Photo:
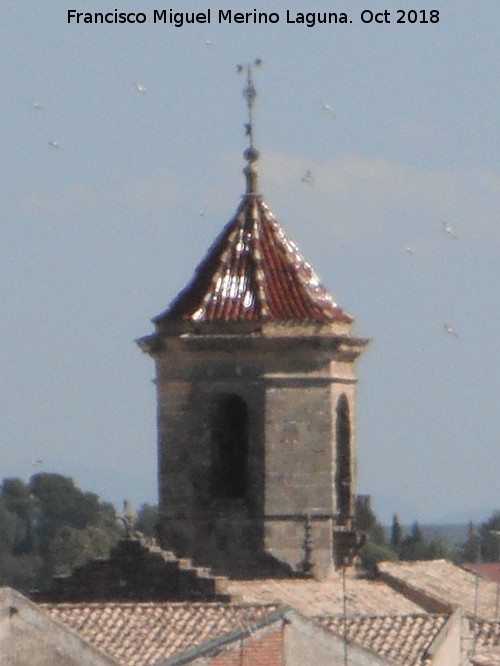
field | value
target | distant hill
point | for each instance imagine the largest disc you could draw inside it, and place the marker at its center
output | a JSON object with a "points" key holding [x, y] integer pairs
{"points": [[452, 534]]}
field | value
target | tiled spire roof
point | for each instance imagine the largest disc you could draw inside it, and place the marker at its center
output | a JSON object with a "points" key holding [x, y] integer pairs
{"points": [[254, 271]]}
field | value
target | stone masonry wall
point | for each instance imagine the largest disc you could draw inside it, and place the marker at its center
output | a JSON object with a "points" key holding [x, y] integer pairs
{"points": [[289, 386], [136, 572]]}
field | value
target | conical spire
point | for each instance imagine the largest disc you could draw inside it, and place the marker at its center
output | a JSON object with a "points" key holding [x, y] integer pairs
{"points": [[253, 271]]}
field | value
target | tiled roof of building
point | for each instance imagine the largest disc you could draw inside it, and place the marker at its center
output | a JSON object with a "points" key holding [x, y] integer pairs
{"points": [[445, 583], [489, 570], [253, 272], [146, 633], [487, 633], [325, 597], [403, 639], [486, 658], [29, 636]]}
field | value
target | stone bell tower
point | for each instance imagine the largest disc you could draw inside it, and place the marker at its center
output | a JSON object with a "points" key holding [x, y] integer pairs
{"points": [[255, 384]]}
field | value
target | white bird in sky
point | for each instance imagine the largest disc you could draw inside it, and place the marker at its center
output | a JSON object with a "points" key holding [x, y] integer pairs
{"points": [[410, 250], [36, 106], [308, 178], [54, 143], [138, 86], [447, 229], [328, 107], [36, 462], [448, 329]]}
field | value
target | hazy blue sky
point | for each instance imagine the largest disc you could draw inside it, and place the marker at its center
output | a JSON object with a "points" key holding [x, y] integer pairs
{"points": [[99, 234]]}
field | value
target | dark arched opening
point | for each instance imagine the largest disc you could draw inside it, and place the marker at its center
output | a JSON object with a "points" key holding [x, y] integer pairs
{"points": [[229, 447], [343, 473]]}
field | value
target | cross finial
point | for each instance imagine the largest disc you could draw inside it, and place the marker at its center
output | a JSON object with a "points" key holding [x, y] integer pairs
{"points": [[251, 154]]}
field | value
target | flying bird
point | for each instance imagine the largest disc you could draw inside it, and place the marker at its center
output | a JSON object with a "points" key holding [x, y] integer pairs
{"points": [[54, 143], [328, 107], [36, 106], [308, 178], [447, 229], [448, 329], [138, 86], [410, 250]]}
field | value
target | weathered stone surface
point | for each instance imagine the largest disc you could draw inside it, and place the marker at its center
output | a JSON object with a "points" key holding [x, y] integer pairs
{"points": [[136, 571], [289, 380]]}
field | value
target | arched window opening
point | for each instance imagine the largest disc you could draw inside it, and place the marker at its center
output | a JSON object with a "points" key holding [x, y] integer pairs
{"points": [[343, 474], [229, 448]]}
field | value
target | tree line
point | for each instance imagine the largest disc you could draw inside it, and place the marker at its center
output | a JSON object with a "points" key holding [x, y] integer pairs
{"points": [[482, 543], [48, 525]]}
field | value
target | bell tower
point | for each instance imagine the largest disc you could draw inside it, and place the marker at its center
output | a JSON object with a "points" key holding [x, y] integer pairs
{"points": [[256, 405]]}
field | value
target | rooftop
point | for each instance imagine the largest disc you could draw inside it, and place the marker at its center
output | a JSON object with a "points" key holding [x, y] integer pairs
{"points": [[444, 584], [149, 633], [253, 271], [325, 597], [144, 634], [403, 639], [487, 632], [486, 658], [489, 570]]}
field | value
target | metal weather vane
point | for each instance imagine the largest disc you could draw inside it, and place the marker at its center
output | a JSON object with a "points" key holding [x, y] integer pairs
{"points": [[251, 154]]}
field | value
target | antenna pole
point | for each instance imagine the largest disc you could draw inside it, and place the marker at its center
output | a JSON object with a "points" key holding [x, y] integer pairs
{"points": [[344, 612]]}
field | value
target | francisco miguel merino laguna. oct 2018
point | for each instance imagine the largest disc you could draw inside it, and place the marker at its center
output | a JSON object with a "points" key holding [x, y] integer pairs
{"points": [[178, 19]]}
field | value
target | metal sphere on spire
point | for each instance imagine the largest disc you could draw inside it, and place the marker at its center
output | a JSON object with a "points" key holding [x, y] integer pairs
{"points": [[251, 154]]}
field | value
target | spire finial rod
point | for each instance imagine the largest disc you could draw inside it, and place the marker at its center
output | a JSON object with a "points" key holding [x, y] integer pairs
{"points": [[251, 154]]}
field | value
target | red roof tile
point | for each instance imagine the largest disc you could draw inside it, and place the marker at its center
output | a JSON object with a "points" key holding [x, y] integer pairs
{"points": [[443, 584], [142, 634], [326, 597], [403, 639], [490, 570], [146, 634], [253, 271], [486, 658], [487, 632]]}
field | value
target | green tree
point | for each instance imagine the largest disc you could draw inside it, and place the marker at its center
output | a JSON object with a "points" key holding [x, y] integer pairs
{"points": [[22, 572], [49, 525], [147, 520], [489, 533], [72, 547], [72, 525], [372, 553], [470, 550], [7, 528], [18, 500], [414, 546], [396, 534], [59, 501], [438, 549], [368, 523], [375, 549]]}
